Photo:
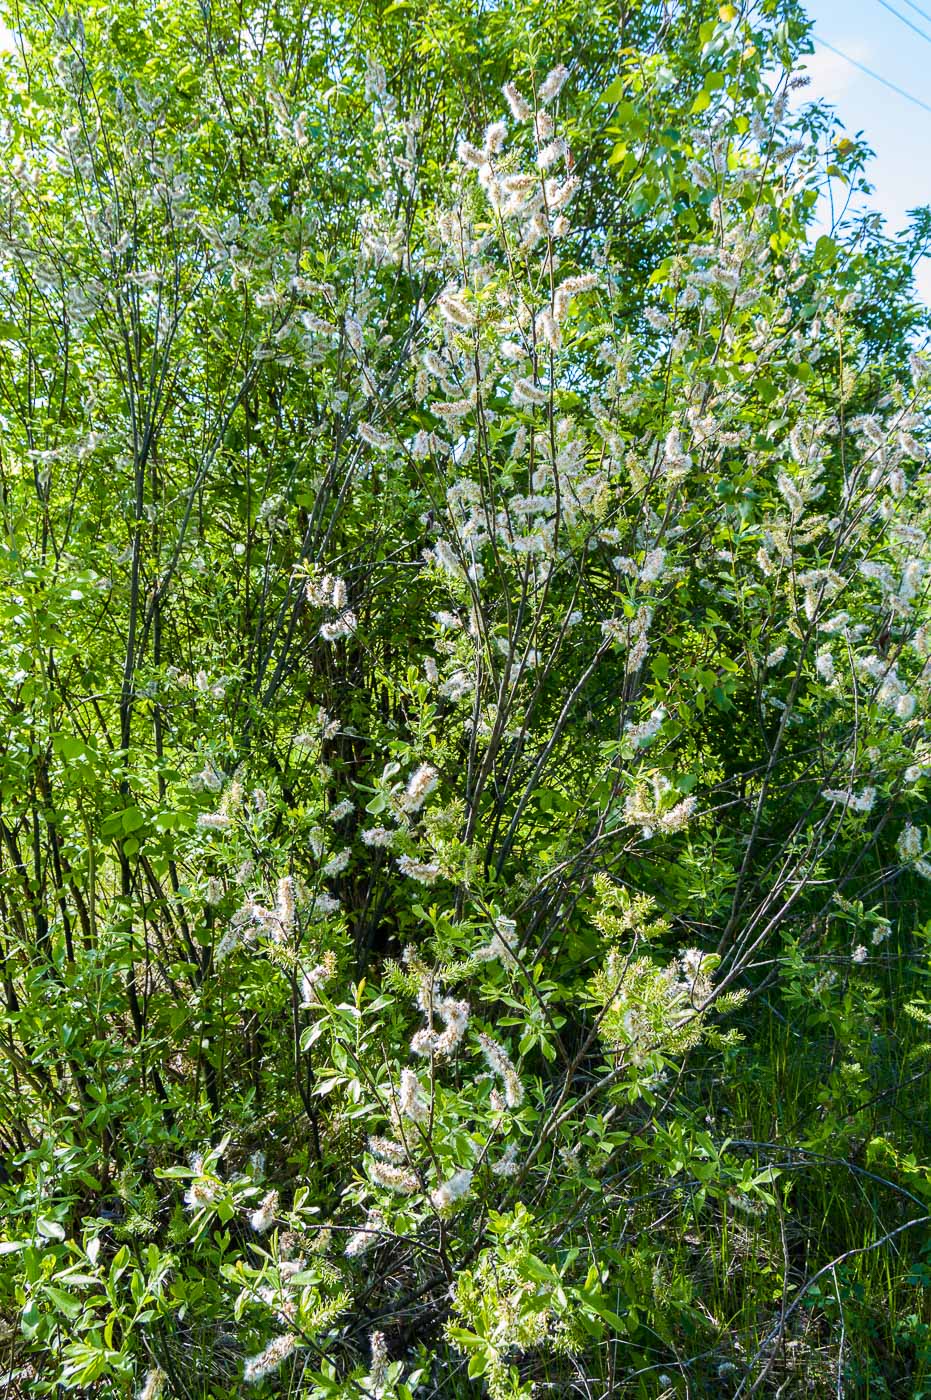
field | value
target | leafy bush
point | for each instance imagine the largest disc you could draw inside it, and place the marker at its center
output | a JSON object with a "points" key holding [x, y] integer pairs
{"points": [[465, 900]]}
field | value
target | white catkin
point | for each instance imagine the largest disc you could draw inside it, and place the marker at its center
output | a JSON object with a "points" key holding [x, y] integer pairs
{"points": [[424, 872], [374, 438], [452, 1190], [378, 1370], [553, 83], [494, 138], [263, 1217], [507, 1164], [268, 1361], [499, 1061], [388, 1149], [910, 844], [152, 1386], [363, 1240], [412, 1103], [853, 801], [521, 110], [377, 836], [824, 665], [421, 784], [398, 1179], [469, 154]]}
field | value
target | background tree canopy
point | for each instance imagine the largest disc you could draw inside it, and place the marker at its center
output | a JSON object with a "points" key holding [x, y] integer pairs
{"points": [[465, 880]]}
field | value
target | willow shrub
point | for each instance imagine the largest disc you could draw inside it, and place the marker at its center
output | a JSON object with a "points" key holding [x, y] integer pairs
{"points": [[465, 711]]}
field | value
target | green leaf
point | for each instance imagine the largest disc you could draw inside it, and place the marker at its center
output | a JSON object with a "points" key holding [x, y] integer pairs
{"points": [[326, 1086], [466, 1339], [64, 1302], [595, 1303], [825, 251]]}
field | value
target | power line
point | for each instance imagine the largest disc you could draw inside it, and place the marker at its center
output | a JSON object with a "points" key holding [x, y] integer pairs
{"points": [[905, 20], [918, 10], [893, 87]]}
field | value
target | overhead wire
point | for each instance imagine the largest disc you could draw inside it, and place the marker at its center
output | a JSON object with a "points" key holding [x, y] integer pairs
{"points": [[918, 10], [871, 73], [905, 20]]}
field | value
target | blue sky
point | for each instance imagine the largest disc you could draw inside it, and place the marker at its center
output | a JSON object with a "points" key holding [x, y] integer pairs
{"points": [[897, 130]]}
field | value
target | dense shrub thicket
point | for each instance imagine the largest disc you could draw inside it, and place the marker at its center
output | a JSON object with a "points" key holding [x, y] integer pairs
{"points": [[466, 883]]}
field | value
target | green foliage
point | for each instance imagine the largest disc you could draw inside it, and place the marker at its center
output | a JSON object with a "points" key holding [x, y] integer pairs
{"points": [[465, 869]]}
